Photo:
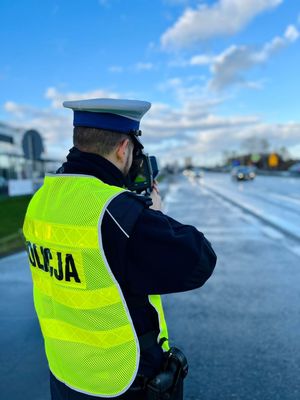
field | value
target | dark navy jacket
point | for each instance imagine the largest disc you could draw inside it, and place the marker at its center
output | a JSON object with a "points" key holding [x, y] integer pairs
{"points": [[148, 253]]}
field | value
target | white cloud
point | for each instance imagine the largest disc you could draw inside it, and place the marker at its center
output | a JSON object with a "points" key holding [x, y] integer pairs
{"points": [[55, 128], [115, 68], [191, 117], [21, 111], [185, 89], [201, 59], [141, 66], [57, 98], [230, 66], [171, 83], [176, 2], [207, 145], [225, 17], [241, 57], [291, 33], [14, 108], [104, 3], [54, 122], [193, 128]]}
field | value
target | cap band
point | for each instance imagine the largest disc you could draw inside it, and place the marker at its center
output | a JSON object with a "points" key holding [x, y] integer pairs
{"points": [[111, 122]]}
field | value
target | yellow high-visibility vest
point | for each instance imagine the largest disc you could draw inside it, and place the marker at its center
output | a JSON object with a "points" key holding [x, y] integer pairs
{"points": [[90, 341]]}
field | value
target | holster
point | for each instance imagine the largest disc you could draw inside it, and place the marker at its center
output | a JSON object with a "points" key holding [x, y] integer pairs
{"points": [[168, 384]]}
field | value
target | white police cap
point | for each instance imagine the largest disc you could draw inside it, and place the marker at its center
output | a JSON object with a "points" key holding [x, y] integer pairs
{"points": [[112, 114]]}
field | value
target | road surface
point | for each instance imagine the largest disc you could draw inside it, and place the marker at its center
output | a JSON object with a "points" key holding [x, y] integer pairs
{"points": [[240, 331]]}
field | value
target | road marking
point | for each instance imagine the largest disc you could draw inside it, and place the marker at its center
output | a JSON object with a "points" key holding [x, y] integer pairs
{"points": [[294, 249], [272, 233], [274, 221]]}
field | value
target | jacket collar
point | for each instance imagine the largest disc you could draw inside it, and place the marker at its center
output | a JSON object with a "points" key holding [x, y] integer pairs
{"points": [[79, 162]]}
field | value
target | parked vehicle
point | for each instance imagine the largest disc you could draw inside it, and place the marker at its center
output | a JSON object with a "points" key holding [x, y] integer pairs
{"points": [[243, 173], [295, 169]]}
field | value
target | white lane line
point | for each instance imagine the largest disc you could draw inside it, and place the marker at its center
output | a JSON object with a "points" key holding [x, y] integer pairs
{"points": [[276, 221], [294, 249], [286, 198], [272, 233]]}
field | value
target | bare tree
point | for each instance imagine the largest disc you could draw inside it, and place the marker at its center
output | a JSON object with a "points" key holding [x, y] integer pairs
{"points": [[254, 144], [284, 153]]}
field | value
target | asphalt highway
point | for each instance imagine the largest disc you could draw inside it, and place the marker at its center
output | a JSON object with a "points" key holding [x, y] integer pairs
{"points": [[240, 331]]}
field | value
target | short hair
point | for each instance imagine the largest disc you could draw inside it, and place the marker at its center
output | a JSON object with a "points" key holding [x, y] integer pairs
{"points": [[96, 140]]}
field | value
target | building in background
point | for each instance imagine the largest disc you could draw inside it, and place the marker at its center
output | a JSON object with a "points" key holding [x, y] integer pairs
{"points": [[22, 160], [22, 154]]}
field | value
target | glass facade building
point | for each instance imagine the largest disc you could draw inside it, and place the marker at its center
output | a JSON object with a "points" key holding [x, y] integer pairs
{"points": [[13, 163]]}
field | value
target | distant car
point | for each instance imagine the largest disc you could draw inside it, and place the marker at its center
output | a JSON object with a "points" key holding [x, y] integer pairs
{"points": [[295, 169], [199, 173], [243, 173], [188, 172]]}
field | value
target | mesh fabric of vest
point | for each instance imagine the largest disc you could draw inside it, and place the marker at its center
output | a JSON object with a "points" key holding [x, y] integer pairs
{"points": [[90, 341]]}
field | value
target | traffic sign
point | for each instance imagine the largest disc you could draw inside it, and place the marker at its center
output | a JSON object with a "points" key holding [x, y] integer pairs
{"points": [[273, 160], [32, 144], [235, 163], [255, 157]]}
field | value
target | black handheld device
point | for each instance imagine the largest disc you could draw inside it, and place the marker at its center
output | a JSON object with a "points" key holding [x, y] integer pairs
{"points": [[142, 173]]}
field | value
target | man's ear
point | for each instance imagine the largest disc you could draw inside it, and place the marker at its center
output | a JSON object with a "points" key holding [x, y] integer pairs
{"points": [[122, 149]]}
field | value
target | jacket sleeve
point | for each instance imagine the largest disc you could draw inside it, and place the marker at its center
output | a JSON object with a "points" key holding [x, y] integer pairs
{"points": [[165, 256]]}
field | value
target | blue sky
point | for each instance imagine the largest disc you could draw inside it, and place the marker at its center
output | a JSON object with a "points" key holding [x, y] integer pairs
{"points": [[216, 72]]}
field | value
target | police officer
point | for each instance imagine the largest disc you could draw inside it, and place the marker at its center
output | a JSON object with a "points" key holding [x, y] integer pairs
{"points": [[101, 255]]}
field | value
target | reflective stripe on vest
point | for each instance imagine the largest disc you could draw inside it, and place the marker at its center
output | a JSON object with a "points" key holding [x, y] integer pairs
{"points": [[90, 340], [163, 336]]}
